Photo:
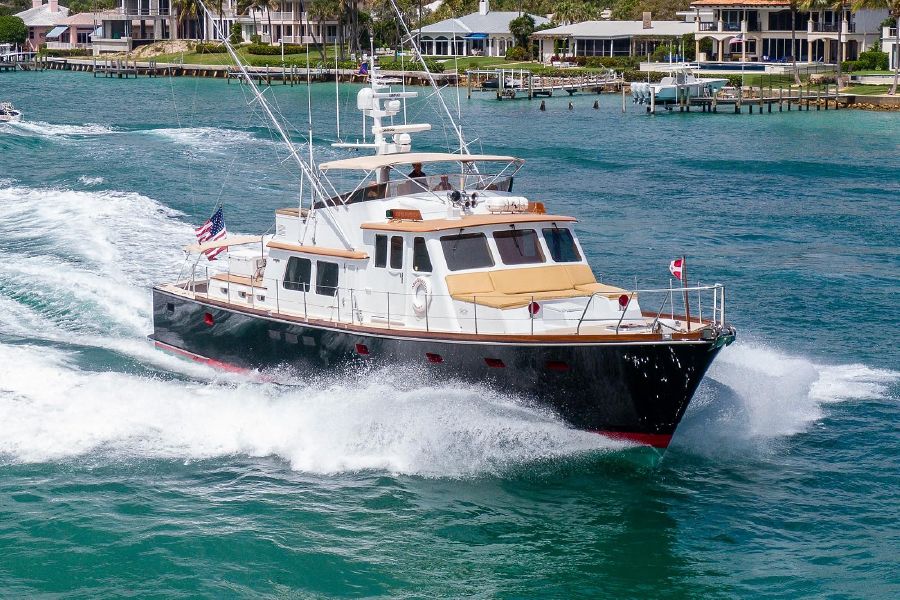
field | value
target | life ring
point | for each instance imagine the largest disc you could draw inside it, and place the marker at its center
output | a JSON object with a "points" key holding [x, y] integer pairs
{"points": [[421, 295]]}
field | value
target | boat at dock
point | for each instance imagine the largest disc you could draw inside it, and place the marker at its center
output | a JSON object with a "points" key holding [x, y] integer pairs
{"points": [[680, 83], [8, 113], [431, 263]]}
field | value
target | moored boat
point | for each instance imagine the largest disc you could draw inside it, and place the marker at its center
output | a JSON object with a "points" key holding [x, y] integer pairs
{"points": [[430, 260]]}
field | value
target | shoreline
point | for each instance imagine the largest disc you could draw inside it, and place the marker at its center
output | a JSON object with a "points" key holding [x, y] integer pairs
{"points": [[296, 75]]}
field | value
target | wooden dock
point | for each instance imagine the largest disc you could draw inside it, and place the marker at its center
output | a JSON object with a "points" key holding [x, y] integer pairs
{"points": [[757, 100], [509, 84]]}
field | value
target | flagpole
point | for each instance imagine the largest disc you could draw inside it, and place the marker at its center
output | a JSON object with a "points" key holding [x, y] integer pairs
{"points": [[684, 285]]}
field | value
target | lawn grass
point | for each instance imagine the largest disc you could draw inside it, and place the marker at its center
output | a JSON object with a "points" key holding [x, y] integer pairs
{"points": [[272, 60], [867, 90]]}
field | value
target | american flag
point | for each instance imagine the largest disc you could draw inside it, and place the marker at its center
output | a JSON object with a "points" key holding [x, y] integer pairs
{"points": [[212, 231]]}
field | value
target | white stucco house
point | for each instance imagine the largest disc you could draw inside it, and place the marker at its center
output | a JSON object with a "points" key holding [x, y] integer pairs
{"points": [[485, 33]]}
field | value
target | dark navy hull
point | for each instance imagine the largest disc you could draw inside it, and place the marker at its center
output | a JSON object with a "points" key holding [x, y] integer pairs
{"points": [[632, 390]]}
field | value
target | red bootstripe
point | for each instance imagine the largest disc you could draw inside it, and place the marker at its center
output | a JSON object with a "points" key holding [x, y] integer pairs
{"points": [[211, 362], [657, 440]]}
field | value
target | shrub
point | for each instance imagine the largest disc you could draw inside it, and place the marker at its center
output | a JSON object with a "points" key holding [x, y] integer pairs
{"points": [[848, 66], [620, 63], [873, 60], [66, 53], [255, 39], [209, 48], [236, 36], [633, 75], [409, 65], [517, 53], [266, 50]]}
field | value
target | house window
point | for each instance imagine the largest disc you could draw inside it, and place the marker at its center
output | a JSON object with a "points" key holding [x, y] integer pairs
{"points": [[297, 274], [326, 278], [421, 260], [561, 245], [518, 247], [466, 251], [397, 252], [381, 251]]}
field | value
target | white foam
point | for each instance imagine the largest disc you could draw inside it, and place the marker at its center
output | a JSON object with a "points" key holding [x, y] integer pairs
{"points": [[43, 129], [88, 258], [756, 394], [211, 139], [53, 411], [90, 181]]}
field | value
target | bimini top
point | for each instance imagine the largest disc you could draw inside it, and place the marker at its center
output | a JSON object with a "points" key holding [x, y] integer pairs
{"points": [[377, 161]]}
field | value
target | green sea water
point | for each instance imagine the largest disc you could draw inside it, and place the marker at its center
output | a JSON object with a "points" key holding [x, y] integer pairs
{"points": [[127, 472]]}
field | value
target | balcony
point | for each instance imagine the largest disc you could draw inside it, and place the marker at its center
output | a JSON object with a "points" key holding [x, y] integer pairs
{"points": [[66, 46], [708, 26], [815, 27]]}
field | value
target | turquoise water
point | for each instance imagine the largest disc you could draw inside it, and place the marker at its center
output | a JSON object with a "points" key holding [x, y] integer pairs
{"points": [[126, 471]]}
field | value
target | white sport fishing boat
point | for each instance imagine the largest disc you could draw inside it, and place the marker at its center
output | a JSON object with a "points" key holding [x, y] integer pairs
{"points": [[8, 113], [680, 83], [430, 260]]}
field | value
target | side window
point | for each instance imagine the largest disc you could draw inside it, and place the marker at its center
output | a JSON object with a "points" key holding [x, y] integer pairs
{"points": [[326, 278], [381, 251], [296, 275], [397, 252], [561, 245], [518, 247], [466, 251], [421, 260]]}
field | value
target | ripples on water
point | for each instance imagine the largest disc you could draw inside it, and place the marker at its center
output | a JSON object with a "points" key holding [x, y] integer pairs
{"points": [[170, 477]]}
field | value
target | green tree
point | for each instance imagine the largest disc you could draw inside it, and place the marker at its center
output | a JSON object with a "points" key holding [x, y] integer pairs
{"points": [[836, 5], [521, 29], [236, 35], [574, 11], [188, 12], [12, 30], [84, 6], [893, 7]]}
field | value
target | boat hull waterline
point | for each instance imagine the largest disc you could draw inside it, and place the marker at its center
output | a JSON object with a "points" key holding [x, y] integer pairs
{"points": [[635, 391]]}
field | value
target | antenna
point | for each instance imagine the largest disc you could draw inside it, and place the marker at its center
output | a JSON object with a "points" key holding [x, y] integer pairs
{"points": [[463, 146], [337, 88]]}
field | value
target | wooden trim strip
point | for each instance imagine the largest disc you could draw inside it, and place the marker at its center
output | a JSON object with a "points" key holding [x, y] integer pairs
{"points": [[429, 225], [442, 336], [239, 279], [319, 250]]}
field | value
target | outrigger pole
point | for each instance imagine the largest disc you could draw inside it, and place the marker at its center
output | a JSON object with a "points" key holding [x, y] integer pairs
{"points": [[684, 286], [308, 170]]}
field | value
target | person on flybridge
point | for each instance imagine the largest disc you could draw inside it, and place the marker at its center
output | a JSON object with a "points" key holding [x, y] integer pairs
{"points": [[417, 171]]}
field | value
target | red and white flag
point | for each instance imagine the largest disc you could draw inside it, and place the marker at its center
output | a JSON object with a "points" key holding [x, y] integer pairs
{"points": [[675, 267]]}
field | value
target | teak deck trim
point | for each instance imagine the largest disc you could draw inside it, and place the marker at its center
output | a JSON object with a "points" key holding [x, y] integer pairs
{"points": [[319, 250]]}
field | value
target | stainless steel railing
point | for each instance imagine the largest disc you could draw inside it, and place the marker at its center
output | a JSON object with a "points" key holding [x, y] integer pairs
{"points": [[343, 306]]}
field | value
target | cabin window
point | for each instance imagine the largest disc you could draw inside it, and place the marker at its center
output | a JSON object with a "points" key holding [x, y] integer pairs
{"points": [[466, 251], [421, 260], [381, 251], [561, 245], [397, 252], [326, 278], [297, 274], [518, 247]]}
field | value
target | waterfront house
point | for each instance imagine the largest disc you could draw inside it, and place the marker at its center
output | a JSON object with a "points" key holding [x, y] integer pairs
{"points": [[889, 45], [610, 38], [760, 30], [74, 32], [40, 20], [138, 22], [484, 33]]}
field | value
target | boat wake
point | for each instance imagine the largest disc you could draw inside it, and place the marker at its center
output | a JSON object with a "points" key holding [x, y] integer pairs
{"points": [[209, 139], [79, 381], [59, 130]]}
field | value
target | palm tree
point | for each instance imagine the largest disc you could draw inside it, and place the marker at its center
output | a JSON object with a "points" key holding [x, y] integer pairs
{"points": [[573, 11], [321, 10], [268, 6], [187, 11], [837, 6], [795, 4], [248, 7], [893, 7]]}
